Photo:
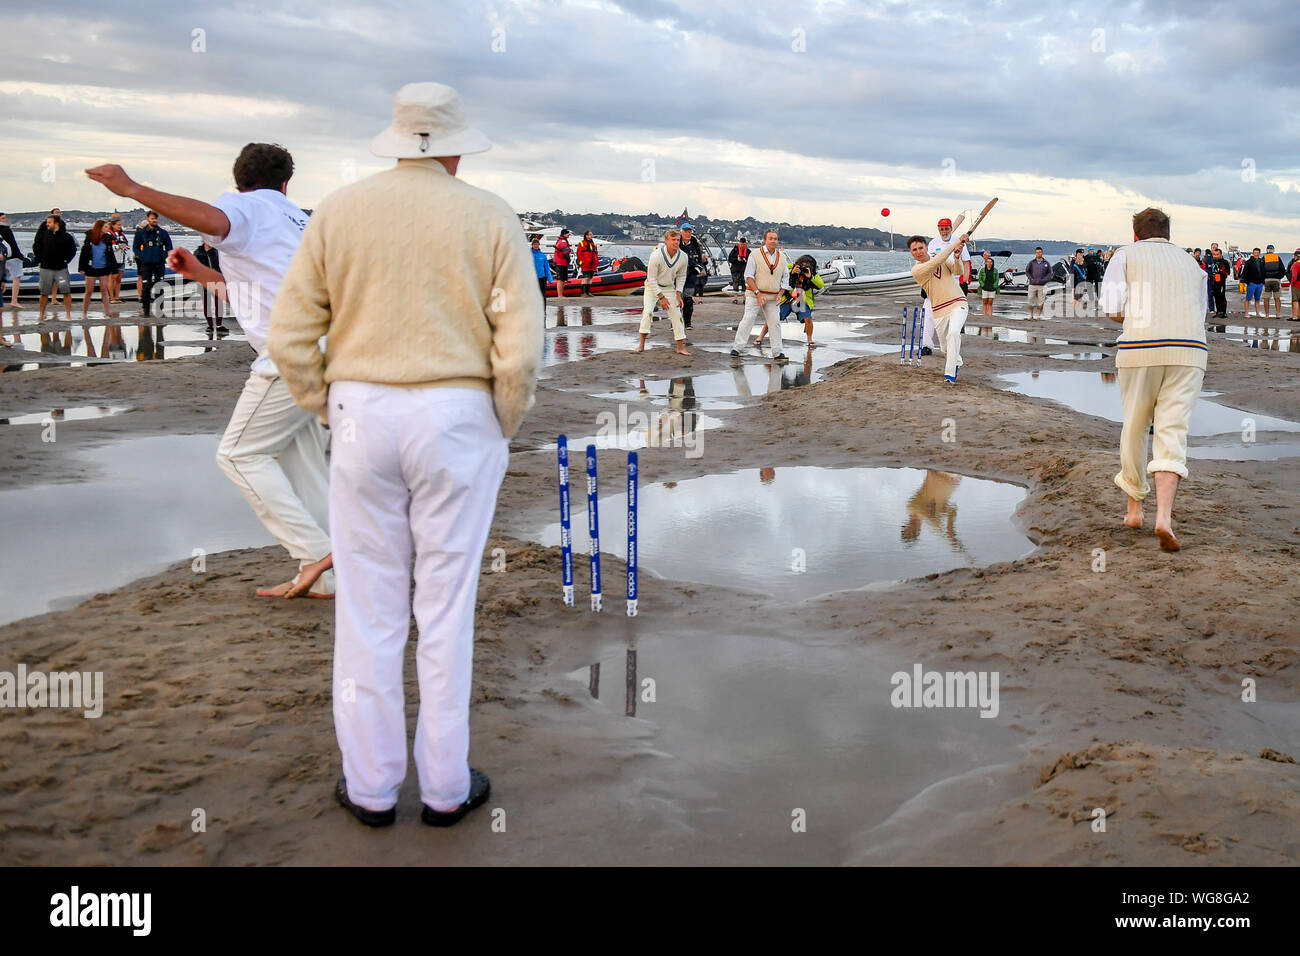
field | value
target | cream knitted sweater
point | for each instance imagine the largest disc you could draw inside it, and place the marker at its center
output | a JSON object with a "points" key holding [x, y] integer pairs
{"points": [[416, 278]]}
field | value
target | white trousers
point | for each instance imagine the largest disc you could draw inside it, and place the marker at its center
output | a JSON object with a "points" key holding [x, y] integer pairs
{"points": [[674, 315], [420, 474], [949, 326], [772, 315], [274, 452], [927, 326], [1163, 396]]}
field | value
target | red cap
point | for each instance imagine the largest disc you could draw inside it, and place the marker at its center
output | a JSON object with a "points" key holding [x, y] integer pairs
{"points": [[945, 222]]}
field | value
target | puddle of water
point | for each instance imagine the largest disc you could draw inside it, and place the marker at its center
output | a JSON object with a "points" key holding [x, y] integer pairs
{"points": [[140, 343], [80, 413], [1002, 333], [573, 344], [78, 539], [1097, 393], [1272, 338], [1247, 451], [568, 316], [742, 380], [748, 727], [1078, 356], [849, 527]]}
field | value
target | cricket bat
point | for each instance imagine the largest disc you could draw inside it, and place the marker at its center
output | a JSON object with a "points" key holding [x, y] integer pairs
{"points": [[980, 218]]}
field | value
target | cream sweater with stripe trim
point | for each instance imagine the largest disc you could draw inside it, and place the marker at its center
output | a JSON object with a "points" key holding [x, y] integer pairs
{"points": [[1163, 302], [417, 279]]}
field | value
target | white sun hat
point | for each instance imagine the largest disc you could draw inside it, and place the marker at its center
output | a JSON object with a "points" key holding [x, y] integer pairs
{"points": [[428, 121]]}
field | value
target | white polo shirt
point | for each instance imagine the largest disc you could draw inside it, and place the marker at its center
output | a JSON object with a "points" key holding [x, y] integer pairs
{"points": [[265, 229]]}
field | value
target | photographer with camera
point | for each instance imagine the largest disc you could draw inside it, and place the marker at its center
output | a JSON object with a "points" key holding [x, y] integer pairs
{"points": [[805, 283], [696, 271]]}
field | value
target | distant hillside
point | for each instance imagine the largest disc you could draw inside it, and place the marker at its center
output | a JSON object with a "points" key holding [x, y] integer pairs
{"points": [[648, 227]]}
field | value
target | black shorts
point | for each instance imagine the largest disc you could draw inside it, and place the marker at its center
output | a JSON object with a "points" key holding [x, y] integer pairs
{"points": [[93, 273], [587, 274], [561, 273]]}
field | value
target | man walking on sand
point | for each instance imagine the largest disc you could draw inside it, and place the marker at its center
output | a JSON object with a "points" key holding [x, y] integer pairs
{"points": [[1158, 292], [937, 277], [767, 275], [430, 367], [272, 450], [665, 277]]}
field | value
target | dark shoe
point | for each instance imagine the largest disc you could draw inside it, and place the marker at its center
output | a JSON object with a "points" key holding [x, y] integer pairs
{"points": [[926, 350], [371, 818], [782, 358], [735, 353], [479, 788]]}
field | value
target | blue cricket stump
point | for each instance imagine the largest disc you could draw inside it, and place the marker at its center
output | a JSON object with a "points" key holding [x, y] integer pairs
{"points": [[632, 467], [593, 527], [566, 535]]}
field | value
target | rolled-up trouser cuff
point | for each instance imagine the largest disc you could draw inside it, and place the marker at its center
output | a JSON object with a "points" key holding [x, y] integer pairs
{"points": [[1138, 494], [1167, 464]]}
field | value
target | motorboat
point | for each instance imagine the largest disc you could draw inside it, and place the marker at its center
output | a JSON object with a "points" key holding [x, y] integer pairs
{"points": [[603, 283], [846, 279]]}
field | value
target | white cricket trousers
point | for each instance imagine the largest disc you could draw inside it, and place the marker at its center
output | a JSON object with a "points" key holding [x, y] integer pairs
{"points": [[674, 315], [1163, 396], [927, 326], [949, 326], [411, 470], [771, 314], [275, 453]]}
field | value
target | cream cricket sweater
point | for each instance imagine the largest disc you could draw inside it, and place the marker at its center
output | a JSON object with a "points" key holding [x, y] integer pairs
{"points": [[662, 277], [416, 278], [1161, 291], [938, 278]]}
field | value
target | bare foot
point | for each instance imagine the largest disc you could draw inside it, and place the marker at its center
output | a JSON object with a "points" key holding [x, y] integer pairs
{"points": [[682, 351], [301, 584], [1166, 538], [308, 576], [1134, 517], [639, 348]]}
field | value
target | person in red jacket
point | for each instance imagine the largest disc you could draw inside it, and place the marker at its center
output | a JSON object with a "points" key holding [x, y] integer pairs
{"points": [[562, 260], [1293, 272], [588, 260]]}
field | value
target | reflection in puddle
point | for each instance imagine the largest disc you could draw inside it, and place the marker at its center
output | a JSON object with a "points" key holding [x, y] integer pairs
{"points": [[799, 531], [1002, 333], [80, 413], [92, 536], [1097, 393], [572, 344], [564, 316], [140, 343], [743, 722], [1078, 356], [1267, 337]]}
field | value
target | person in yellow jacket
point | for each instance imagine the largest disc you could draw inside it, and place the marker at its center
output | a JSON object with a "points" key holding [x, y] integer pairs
{"points": [[805, 283]]}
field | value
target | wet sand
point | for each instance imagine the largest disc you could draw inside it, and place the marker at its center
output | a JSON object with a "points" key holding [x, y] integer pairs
{"points": [[1119, 689]]}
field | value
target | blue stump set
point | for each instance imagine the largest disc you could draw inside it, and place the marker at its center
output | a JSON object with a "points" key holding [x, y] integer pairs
{"points": [[593, 526]]}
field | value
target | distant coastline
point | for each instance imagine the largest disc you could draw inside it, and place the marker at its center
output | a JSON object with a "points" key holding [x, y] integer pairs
{"points": [[644, 229]]}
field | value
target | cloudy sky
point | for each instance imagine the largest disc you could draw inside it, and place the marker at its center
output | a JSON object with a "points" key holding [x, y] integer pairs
{"points": [[819, 112]]}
